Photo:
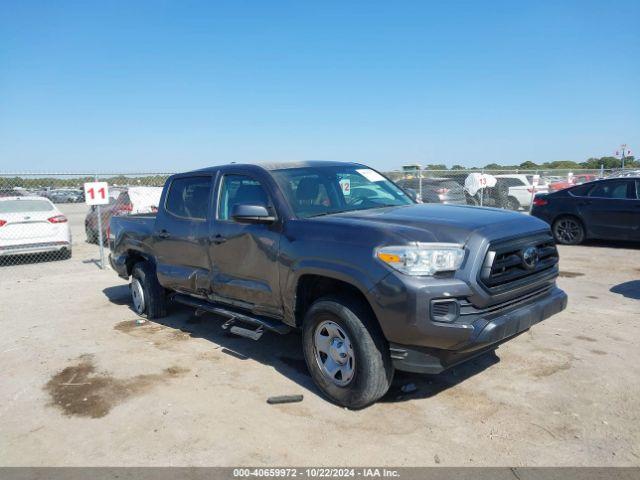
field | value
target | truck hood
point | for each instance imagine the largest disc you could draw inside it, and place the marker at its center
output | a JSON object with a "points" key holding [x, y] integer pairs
{"points": [[437, 222]]}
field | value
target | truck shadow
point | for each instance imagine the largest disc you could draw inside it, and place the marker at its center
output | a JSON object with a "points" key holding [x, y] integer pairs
{"points": [[284, 352]]}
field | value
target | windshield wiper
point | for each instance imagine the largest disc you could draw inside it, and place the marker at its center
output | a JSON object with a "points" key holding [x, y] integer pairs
{"points": [[330, 213]]}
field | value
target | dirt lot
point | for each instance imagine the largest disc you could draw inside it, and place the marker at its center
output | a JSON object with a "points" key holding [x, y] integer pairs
{"points": [[82, 384]]}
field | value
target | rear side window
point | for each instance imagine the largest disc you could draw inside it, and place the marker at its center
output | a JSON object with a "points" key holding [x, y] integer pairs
{"points": [[581, 191], [617, 189], [189, 197], [511, 182], [23, 206], [638, 189]]}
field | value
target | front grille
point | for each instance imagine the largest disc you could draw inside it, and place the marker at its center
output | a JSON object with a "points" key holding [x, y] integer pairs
{"points": [[506, 263]]}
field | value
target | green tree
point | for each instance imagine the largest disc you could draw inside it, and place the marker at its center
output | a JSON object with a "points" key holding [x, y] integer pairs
{"points": [[493, 166], [528, 165]]}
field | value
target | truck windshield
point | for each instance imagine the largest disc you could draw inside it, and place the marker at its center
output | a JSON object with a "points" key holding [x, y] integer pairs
{"points": [[315, 191]]}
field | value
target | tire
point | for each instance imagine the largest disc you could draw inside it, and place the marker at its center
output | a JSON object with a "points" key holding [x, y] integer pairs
{"points": [[513, 203], [367, 371], [147, 295], [64, 254], [568, 230]]}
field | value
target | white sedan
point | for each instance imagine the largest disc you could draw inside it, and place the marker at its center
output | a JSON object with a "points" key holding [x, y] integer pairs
{"points": [[33, 225], [521, 189]]}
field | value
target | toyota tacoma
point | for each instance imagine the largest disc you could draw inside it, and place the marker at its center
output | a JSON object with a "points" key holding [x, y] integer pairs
{"points": [[375, 281]]}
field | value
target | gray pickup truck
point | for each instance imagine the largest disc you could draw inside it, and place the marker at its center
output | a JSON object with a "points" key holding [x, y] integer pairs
{"points": [[375, 281]]}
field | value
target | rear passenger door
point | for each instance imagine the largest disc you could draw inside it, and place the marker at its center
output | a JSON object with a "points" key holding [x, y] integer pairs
{"points": [[181, 236], [610, 209]]}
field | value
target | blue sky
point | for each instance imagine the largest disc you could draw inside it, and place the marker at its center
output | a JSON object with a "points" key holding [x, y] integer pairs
{"points": [[167, 86]]}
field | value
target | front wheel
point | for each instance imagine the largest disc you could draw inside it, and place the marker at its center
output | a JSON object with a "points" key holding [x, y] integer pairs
{"points": [[568, 231], [346, 353], [147, 295]]}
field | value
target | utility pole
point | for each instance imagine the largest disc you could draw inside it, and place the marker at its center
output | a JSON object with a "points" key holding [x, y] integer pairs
{"points": [[623, 153]]}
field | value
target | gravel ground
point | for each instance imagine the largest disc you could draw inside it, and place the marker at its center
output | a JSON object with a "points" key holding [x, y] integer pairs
{"points": [[83, 384]]}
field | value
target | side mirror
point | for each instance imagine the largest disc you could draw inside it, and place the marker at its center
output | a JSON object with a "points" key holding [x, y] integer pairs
{"points": [[251, 214]]}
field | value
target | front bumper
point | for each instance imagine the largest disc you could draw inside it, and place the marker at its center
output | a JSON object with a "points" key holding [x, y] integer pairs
{"points": [[485, 335]]}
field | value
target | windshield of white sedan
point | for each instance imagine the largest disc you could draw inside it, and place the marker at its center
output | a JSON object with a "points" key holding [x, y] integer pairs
{"points": [[318, 191], [22, 206]]}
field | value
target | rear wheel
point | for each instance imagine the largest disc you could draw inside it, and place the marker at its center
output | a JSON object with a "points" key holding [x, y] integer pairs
{"points": [[346, 353], [147, 295], [568, 231]]}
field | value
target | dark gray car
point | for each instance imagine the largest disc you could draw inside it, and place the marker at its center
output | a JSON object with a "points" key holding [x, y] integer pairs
{"points": [[374, 281]]}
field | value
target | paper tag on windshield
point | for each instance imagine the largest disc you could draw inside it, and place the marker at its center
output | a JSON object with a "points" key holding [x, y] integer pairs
{"points": [[370, 175], [345, 185]]}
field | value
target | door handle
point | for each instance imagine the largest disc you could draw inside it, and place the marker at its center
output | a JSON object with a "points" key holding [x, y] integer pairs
{"points": [[218, 239], [164, 234]]}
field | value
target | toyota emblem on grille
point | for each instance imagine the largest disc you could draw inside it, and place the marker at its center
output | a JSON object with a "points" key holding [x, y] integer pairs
{"points": [[530, 257]]}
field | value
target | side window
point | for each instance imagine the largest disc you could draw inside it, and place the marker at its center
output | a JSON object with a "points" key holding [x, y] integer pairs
{"points": [[511, 182], [638, 189], [617, 189], [189, 197], [581, 191], [240, 190]]}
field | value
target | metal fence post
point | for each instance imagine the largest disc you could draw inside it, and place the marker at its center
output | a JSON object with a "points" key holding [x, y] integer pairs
{"points": [[100, 238], [481, 189]]}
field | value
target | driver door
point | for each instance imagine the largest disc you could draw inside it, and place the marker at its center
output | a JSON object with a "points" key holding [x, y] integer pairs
{"points": [[244, 256]]}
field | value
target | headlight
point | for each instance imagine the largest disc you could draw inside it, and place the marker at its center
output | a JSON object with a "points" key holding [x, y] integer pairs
{"points": [[422, 258]]}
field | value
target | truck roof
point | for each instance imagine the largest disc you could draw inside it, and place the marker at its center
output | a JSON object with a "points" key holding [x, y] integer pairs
{"points": [[270, 166]]}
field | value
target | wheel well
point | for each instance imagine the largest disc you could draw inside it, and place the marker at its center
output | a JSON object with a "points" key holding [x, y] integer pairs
{"points": [[132, 259], [312, 287]]}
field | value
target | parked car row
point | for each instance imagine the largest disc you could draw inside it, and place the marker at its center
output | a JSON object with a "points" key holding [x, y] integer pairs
{"points": [[65, 196], [511, 191]]}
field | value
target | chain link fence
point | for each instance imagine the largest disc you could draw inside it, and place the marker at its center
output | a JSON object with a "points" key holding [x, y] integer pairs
{"points": [[510, 189], [44, 218]]}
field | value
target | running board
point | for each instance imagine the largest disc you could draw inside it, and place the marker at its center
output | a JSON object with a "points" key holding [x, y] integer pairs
{"points": [[247, 333], [260, 323]]}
